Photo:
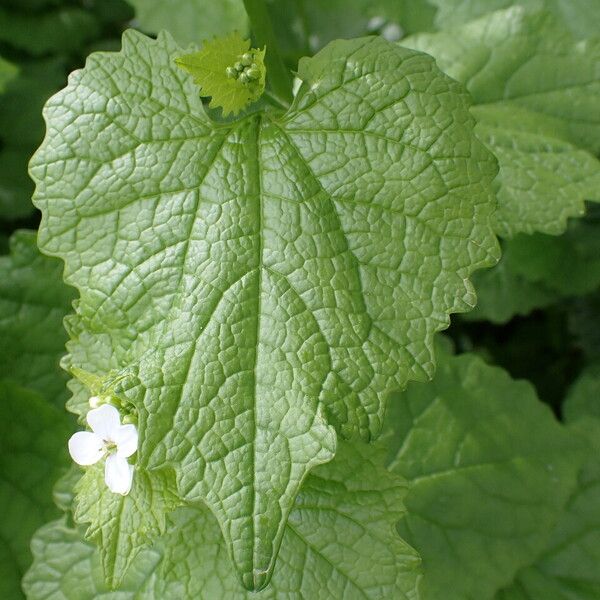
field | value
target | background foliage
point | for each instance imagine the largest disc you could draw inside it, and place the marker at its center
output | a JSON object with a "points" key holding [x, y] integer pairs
{"points": [[493, 481]]}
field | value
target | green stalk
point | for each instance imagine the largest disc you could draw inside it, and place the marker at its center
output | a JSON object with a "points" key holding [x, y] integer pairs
{"points": [[279, 77]]}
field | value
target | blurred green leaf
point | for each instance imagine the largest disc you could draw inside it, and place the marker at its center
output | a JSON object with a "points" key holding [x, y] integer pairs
{"points": [[65, 29], [33, 302], [568, 567], [8, 71], [490, 471], [582, 17], [33, 452], [191, 21], [22, 130]]}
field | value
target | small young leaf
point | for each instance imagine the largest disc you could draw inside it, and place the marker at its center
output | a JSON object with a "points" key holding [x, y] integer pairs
{"points": [[490, 470], [218, 69]]}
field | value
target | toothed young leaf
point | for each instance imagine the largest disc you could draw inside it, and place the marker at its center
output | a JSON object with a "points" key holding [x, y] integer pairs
{"points": [[123, 526], [537, 96], [490, 470], [221, 73], [339, 542], [266, 279], [33, 303]]}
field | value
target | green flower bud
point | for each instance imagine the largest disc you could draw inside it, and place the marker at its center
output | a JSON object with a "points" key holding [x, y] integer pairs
{"points": [[253, 72], [244, 77], [239, 67], [231, 73], [247, 59]]}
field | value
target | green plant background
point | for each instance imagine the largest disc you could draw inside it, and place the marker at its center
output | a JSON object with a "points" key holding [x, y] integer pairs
{"points": [[489, 473]]}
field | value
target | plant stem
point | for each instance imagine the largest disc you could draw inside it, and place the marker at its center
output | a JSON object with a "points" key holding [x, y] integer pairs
{"points": [[278, 76]]}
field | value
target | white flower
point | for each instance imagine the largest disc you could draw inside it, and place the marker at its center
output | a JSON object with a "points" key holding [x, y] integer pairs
{"points": [[108, 436]]}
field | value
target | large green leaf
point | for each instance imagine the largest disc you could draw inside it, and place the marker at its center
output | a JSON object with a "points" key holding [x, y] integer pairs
{"points": [[32, 454], [568, 567], [33, 302], [262, 280], [191, 21], [582, 17], [537, 92], [490, 470], [339, 543]]}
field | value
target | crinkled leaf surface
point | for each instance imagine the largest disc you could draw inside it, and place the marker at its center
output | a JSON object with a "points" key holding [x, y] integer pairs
{"points": [[543, 180], [582, 17], [490, 470], [123, 525], [262, 280], [33, 302], [191, 21], [339, 542], [568, 567], [537, 92], [32, 454], [65, 29]]}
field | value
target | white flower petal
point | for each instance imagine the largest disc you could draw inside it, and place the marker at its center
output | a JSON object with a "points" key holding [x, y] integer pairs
{"points": [[118, 474], [105, 421], [86, 448], [95, 401], [126, 439]]}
